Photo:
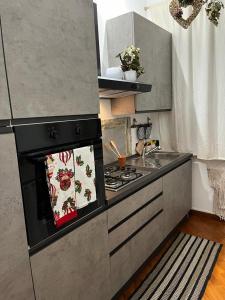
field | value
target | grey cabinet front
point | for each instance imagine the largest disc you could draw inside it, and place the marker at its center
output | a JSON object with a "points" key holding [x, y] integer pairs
{"points": [[129, 258], [137, 235], [156, 57], [15, 272], [177, 191], [76, 266], [50, 57], [4, 97]]}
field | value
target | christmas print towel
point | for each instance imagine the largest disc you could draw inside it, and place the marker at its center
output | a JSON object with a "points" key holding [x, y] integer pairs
{"points": [[84, 176], [60, 177]]}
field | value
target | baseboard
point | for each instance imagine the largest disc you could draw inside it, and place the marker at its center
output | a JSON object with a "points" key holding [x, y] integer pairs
{"points": [[201, 213], [203, 210]]}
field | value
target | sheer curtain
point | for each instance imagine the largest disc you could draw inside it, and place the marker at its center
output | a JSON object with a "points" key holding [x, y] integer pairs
{"points": [[198, 117]]}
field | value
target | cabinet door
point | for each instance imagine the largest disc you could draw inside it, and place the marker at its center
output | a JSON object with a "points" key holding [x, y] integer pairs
{"points": [[15, 273], [50, 57], [4, 97], [120, 34], [76, 266], [156, 57], [177, 191]]}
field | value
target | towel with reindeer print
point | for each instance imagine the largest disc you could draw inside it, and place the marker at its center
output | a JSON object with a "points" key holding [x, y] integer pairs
{"points": [[71, 182], [61, 184]]}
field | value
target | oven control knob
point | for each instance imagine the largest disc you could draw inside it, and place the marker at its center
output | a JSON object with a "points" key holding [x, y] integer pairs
{"points": [[53, 133], [77, 130]]}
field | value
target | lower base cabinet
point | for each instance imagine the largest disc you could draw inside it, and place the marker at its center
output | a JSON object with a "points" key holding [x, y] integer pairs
{"points": [[135, 230], [76, 266], [129, 258], [177, 195], [164, 203]]}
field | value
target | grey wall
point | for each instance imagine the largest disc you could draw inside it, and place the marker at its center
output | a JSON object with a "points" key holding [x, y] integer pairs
{"points": [[119, 131]]}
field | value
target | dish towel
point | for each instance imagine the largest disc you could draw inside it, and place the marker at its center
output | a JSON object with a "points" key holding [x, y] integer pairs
{"points": [[84, 176], [60, 178], [217, 182]]}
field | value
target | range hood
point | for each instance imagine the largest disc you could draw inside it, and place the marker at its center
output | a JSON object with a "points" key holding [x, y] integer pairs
{"points": [[110, 88]]}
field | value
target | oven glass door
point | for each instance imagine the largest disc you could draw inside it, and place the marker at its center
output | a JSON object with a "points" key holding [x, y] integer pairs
{"points": [[39, 218]]}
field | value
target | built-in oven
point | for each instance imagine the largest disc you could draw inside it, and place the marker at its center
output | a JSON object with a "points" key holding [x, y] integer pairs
{"points": [[34, 143]]}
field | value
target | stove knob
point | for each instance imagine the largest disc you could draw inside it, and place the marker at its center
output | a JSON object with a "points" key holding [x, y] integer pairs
{"points": [[77, 130], [53, 133]]}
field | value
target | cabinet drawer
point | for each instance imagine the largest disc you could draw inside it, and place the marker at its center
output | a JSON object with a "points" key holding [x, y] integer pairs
{"points": [[133, 253], [146, 241], [121, 268], [137, 219], [132, 203]]}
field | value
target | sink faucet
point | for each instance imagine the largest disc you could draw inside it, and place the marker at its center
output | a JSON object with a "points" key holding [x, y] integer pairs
{"points": [[145, 152]]}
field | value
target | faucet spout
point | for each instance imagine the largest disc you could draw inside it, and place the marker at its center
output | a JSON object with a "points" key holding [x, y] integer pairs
{"points": [[145, 152]]}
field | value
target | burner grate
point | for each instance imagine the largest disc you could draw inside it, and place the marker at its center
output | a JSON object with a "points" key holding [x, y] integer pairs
{"points": [[115, 178]]}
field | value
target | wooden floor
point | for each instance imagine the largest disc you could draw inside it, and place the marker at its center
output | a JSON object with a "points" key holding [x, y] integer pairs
{"points": [[203, 225]]}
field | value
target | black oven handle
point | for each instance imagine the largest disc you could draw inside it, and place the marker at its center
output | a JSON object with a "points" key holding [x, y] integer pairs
{"points": [[40, 159], [40, 156]]}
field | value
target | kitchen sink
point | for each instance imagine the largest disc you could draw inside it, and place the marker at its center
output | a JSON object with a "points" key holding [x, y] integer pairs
{"points": [[163, 155], [154, 160]]}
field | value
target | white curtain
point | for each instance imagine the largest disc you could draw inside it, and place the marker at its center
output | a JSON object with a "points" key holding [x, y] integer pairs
{"points": [[198, 115]]}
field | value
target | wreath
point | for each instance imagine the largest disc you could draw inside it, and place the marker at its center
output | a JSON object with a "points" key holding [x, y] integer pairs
{"points": [[213, 10]]}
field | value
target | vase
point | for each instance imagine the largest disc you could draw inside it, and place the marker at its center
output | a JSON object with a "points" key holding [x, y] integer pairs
{"points": [[115, 72], [130, 75]]}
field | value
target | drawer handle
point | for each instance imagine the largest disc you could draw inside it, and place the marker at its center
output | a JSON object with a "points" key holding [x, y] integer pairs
{"points": [[135, 233], [134, 212]]}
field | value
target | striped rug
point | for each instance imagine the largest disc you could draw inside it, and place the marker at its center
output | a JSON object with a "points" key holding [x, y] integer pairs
{"points": [[182, 272]]}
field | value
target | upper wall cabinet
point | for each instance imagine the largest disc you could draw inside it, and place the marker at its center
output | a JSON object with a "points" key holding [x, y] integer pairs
{"points": [[50, 57], [156, 57], [4, 97]]}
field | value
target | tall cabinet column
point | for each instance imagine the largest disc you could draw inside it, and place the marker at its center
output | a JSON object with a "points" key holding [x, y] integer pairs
{"points": [[15, 272]]}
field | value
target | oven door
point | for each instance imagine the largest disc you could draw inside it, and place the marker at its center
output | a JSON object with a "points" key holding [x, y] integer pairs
{"points": [[40, 226]]}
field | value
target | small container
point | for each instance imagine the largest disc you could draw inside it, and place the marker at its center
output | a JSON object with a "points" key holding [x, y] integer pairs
{"points": [[114, 72], [122, 161], [130, 75]]}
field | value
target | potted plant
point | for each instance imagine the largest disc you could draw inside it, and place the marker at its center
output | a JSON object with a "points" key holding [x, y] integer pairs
{"points": [[130, 63]]}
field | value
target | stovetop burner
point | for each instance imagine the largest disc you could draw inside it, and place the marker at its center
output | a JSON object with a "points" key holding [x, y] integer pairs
{"points": [[116, 178], [128, 175]]}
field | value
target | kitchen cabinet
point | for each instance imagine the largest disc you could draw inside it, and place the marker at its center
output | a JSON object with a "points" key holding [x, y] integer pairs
{"points": [[76, 266], [156, 57], [50, 57], [4, 97], [138, 224], [15, 272], [135, 230], [177, 192]]}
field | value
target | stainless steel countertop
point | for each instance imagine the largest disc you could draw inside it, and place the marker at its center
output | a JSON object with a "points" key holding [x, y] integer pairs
{"points": [[167, 164]]}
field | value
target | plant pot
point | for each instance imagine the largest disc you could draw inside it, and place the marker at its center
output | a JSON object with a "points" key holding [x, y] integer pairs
{"points": [[115, 72], [130, 75]]}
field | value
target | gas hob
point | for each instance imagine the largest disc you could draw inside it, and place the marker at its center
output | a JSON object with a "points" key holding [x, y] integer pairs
{"points": [[116, 178]]}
